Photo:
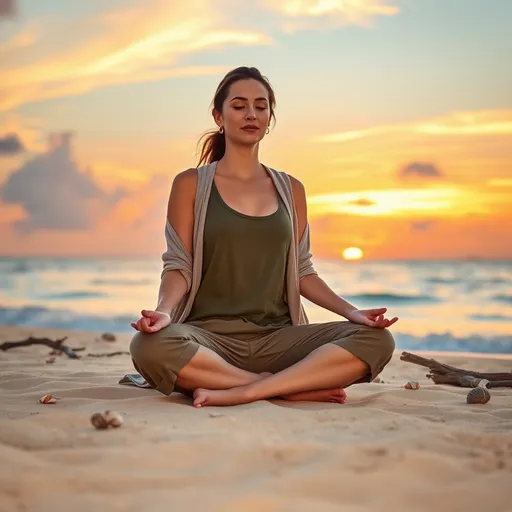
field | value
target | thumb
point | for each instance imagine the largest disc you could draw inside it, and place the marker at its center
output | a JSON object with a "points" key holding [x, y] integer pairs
{"points": [[378, 311], [147, 313]]}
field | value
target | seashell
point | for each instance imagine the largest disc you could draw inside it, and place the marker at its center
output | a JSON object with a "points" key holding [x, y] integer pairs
{"points": [[478, 395], [412, 384], [483, 383], [99, 421], [50, 360], [108, 336], [48, 399], [114, 419]]}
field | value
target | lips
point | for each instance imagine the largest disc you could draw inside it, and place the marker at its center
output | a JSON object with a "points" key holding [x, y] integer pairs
{"points": [[250, 128]]}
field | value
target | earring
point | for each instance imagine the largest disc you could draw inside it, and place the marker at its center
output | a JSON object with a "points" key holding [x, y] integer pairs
{"points": [[268, 130], [221, 130]]}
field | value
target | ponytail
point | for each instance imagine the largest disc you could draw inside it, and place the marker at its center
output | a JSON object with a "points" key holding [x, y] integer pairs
{"points": [[213, 148]]}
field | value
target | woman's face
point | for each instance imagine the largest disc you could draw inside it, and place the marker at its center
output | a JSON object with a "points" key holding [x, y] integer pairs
{"points": [[245, 114]]}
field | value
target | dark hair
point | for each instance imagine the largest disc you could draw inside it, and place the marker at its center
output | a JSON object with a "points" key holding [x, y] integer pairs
{"points": [[214, 147]]}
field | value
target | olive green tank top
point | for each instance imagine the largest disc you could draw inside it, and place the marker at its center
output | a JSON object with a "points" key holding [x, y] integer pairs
{"points": [[244, 265]]}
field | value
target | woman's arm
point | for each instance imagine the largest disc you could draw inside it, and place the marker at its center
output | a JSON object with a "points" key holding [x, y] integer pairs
{"points": [[180, 214], [313, 287]]}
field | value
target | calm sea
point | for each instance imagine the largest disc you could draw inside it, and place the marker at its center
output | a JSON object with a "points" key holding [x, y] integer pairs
{"points": [[442, 306]]}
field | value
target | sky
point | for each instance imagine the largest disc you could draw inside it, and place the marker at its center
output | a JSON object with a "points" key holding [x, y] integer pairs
{"points": [[396, 115]]}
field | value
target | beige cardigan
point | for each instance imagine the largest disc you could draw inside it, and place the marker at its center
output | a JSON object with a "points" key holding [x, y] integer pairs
{"points": [[176, 256]]}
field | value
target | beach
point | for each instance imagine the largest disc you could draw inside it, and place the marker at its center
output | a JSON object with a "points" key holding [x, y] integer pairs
{"points": [[386, 448]]}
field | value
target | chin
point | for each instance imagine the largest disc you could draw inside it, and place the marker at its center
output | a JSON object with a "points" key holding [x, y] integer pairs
{"points": [[250, 138]]}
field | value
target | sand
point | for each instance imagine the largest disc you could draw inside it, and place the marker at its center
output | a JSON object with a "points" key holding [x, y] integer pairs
{"points": [[386, 448]]}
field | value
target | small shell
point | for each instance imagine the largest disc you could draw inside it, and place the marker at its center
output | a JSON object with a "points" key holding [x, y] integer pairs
{"points": [[99, 421], [478, 395], [108, 336], [412, 384], [114, 419], [48, 399], [50, 360]]}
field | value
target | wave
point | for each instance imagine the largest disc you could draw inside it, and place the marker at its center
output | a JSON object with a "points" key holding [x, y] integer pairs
{"points": [[447, 342], [121, 282], [502, 298], [491, 318], [72, 295], [392, 298], [35, 316]]}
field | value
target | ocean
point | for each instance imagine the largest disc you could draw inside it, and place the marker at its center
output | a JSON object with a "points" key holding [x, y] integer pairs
{"points": [[442, 305]]}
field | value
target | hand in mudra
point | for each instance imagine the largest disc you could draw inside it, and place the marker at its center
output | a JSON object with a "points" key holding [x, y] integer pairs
{"points": [[371, 317], [151, 321]]}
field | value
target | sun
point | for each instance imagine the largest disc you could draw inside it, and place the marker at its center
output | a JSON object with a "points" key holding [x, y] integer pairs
{"points": [[352, 253]]}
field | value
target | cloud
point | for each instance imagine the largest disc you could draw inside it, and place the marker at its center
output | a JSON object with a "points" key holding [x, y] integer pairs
{"points": [[362, 202], [421, 169], [133, 45], [329, 14], [484, 122], [422, 225], [54, 193], [11, 144], [8, 8]]}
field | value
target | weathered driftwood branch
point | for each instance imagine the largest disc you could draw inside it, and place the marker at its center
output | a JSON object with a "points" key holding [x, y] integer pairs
{"points": [[110, 354], [458, 380], [57, 345], [445, 374]]}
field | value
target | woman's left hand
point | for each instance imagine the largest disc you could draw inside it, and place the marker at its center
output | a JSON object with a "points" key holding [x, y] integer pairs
{"points": [[371, 317]]}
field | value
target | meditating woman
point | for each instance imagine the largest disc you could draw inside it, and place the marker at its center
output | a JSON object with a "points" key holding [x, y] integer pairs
{"points": [[229, 326]]}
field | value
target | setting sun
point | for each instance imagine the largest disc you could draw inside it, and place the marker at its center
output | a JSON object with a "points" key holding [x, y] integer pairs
{"points": [[352, 253]]}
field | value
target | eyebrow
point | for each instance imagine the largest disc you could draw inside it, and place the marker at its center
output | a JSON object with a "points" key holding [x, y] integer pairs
{"points": [[245, 99]]}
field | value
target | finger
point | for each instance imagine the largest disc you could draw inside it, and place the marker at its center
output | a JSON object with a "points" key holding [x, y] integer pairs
{"points": [[134, 325], [391, 322], [378, 311], [147, 313]]}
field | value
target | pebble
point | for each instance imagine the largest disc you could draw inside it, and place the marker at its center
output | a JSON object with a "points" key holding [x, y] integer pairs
{"points": [[412, 384]]}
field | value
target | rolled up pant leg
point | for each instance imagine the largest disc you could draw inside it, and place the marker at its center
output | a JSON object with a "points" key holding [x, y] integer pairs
{"points": [[287, 346], [159, 357]]}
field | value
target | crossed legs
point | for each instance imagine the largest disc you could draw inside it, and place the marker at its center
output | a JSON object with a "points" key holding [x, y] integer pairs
{"points": [[298, 363]]}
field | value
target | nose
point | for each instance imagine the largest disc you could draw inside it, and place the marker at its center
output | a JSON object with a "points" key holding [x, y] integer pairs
{"points": [[251, 114]]}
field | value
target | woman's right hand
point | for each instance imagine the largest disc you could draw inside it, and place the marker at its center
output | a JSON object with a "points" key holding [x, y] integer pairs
{"points": [[151, 321]]}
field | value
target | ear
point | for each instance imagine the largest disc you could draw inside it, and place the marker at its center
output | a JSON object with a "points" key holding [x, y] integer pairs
{"points": [[217, 117]]}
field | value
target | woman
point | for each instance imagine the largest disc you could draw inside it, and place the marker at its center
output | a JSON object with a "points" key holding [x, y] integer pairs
{"points": [[229, 325]]}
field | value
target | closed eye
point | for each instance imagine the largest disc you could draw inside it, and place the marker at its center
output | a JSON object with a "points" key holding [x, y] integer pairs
{"points": [[257, 108]]}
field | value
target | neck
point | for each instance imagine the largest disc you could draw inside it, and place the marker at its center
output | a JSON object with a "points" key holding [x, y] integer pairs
{"points": [[241, 162]]}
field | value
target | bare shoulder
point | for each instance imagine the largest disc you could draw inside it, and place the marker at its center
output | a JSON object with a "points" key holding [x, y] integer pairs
{"points": [[180, 211], [299, 197], [185, 181], [299, 191]]}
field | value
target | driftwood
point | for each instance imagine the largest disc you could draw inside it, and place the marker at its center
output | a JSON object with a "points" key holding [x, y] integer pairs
{"points": [[110, 354], [442, 373], [56, 345]]}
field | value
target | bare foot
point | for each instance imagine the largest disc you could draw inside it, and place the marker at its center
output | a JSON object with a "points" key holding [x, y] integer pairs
{"points": [[335, 395], [233, 396], [236, 396]]}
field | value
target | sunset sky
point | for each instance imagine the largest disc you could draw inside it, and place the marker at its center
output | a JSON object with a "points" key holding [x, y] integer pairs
{"points": [[395, 114]]}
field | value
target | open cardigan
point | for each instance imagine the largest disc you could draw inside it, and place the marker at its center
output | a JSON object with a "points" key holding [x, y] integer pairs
{"points": [[176, 256]]}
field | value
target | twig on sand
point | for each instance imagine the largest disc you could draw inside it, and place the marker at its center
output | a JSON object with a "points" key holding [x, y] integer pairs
{"points": [[445, 374], [110, 354], [57, 345]]}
